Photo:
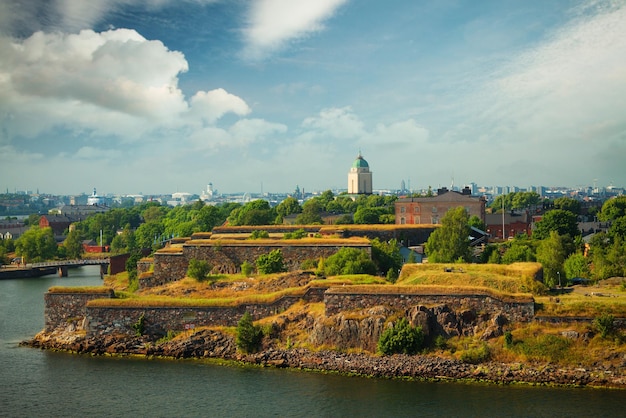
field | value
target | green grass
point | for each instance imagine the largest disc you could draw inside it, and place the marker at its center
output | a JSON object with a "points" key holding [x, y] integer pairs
{"points": [[80, 289]]}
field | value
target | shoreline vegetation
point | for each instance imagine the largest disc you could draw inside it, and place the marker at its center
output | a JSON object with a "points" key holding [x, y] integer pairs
{"points": [[563, 352]]}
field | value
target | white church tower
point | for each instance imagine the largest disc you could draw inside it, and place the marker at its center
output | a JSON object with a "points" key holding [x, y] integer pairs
{"points": [[360, 177]]}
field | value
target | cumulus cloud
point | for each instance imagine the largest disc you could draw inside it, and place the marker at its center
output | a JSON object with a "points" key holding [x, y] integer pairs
{"points": [[110, 83], [273, 23], [212, 105]]}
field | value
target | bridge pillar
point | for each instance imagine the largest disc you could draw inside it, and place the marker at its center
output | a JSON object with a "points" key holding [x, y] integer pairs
{"points": [[104, 268], [62, 270]]}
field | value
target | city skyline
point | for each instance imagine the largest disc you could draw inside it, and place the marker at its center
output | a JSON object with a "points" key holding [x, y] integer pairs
{"points": [[131, 96]]}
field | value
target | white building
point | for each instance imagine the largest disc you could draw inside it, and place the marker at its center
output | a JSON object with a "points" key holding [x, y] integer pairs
{"points": [[360, 177]]}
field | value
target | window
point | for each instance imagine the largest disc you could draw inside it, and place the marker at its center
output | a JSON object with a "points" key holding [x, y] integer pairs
{"points": [[435, 220], [434, 209], [402, 221], [416, 209], [402, 209]]}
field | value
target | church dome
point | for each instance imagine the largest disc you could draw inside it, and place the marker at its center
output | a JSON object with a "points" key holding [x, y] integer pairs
{"points": [[360, 163]]}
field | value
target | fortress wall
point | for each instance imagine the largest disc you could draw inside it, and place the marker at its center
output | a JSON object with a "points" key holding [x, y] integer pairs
{"points": [[64, 309], [522, 311], [227, 258]]}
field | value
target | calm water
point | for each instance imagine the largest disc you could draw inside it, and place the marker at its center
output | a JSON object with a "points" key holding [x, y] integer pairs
{"points": [[39, 383]]}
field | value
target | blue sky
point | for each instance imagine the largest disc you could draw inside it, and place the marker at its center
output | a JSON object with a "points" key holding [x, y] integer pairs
{"points": [[160, 96]]}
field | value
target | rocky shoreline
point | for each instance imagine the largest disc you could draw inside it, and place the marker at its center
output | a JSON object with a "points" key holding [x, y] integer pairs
{"points": [[214, 344]]}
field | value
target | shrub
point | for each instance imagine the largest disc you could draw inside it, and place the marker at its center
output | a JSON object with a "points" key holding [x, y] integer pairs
{"points": [[246, 268], [297, 234], [476, 355], [440, 342], [349, 261], [258, 233], [249, 336], [604, 325], [508, 339], [198, 269], [401, 338], [139, 326], [271, 262]]}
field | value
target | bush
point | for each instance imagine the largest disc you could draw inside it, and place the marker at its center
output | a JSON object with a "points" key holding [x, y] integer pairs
{"points": [[401, 338], [476, 355], [249, 336], [258, 233], [349, 261], [297, 234], [270, 263], [508, 339], [246, 268], [604, 325], [198, 269]]}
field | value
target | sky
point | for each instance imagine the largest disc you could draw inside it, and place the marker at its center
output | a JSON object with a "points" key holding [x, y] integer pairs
{"points": [[163, 96]]}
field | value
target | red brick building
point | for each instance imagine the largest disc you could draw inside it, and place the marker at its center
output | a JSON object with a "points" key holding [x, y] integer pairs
{"points": [[430, 210], [514, 224]]}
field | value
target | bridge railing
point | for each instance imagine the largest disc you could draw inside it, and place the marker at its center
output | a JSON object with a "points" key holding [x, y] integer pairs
{"points": [[81, 262]]}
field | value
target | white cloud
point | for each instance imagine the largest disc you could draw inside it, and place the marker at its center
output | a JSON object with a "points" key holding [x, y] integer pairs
{"points": [[212, 105], [110, 83], [340, 123], [273, 23]]}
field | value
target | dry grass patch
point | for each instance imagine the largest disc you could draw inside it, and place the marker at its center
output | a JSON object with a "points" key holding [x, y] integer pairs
{"points": [[513, 278]]}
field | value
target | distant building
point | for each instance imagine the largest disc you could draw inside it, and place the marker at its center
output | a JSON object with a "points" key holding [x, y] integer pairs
{"points": [[95, 200], [514, 224], [430, 210], [360, 177]]}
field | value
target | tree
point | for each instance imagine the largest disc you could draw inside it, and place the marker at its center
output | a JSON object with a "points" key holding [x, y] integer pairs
{"points": [[576, 265], [310, 213], [256, 212], [450, 242], [73, 245], [520, 250], [288, 206], [36, 244], [402, 338], [366, 215], [613, 209], [249, 336], [387, 255], [551, 253], [198, 269], [271, 262], [348, 261], [476, 222], [558, 220], [567, 203]]}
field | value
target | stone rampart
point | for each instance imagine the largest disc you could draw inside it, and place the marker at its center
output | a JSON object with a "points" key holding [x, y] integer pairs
{"points": [[63, 309], [516, 311], [227, 258]]}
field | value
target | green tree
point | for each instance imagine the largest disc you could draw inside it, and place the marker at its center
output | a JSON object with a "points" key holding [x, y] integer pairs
{"points": [[198, 269], [311, 213], [557, 220], [246, 268], [270, 263], [348, 261], [367, 215], [450, 242], [287, 207], [476, 222], [36, 244], [567, 203], [73, 245], [256, 212], [402, 338], [386, 255], [576, 265], [613, 208], [552, 253], [258, 234], [249, 336], [519, 250]]}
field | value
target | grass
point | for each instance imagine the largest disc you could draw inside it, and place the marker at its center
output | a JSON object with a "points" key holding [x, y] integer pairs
{"points": [[278, 242], [514, 278]]}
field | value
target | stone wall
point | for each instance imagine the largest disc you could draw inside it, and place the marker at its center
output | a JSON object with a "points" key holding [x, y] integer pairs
{"points": [[227, 258], [63, 309], [521, 311]]}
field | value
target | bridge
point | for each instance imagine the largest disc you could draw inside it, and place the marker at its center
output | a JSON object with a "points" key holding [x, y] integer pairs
{"points": [[62, 266]]}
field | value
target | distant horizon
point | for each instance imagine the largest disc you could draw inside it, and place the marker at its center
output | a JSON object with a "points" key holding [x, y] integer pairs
{"points": [[226, 193]]}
